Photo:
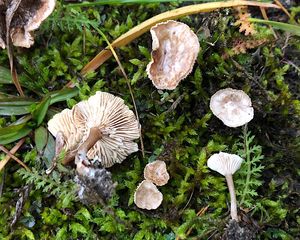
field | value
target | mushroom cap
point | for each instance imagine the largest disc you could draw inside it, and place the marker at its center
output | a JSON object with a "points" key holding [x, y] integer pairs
{"points": [[224, 163], [26, 18], [147, 196], [232, 107], [64, 123], [175, 48], [107, 112], [156, 172]]}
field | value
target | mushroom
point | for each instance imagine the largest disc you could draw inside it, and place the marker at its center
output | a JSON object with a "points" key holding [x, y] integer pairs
{"points": [[101, 128], [147, 196], [156, 172], [232, 107], [227, 164], [175, 48], [22, 17]]}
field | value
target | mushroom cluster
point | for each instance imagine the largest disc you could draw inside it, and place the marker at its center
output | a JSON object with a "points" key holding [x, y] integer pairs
{"points": [[147, 196], [19, 18], [175, 48]]}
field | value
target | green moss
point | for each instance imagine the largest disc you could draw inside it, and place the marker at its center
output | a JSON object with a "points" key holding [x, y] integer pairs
{"points": [[177, 127]]}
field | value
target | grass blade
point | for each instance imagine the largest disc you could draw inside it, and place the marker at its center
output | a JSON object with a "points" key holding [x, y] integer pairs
{"points": [[5, 77], [293, 29]]}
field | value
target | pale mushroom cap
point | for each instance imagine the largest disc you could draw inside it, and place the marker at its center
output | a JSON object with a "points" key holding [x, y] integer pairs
{"points": [[175, 48], [117, 123], [63, 122], [29, 19], [232, 107], [147, 196], [156, 172], [224, 163]]}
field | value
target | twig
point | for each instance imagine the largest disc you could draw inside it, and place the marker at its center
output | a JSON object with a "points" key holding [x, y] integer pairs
{"points": [[282, 8], [14, 157], [265, 16], [9, 15], [12, 151]]}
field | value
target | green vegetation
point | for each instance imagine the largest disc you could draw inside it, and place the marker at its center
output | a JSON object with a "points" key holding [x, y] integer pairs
{"points": [[177, 127]]}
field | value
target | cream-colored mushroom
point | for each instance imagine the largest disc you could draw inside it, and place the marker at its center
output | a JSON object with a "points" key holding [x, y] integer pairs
{"points": [[157, 173], [147, 196], [175, 48], [102, 128], [116, 122], [24, 17], [36, 14], [227, 164], [232, 107]]}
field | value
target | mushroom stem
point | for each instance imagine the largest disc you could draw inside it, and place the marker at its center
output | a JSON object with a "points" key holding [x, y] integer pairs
{"points": [[94, 136], [233, 205]]}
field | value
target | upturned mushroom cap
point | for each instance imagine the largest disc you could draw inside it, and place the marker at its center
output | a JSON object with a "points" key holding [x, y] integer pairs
{"points": [[27, 18], [175, 48], [224, 163], [117, 123], [156, 172], [232, 107], [147, 196]]}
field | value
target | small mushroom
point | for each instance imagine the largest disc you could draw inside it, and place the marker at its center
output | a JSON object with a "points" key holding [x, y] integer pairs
{"points": [[227, 164], [147, 196], [175, 49], [24, 17], [102, 128], [156, 172], [232, 107]]}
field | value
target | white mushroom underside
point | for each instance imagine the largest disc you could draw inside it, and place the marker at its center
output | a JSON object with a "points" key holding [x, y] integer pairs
{"points": [[116, 122], [147, 196], [175, 49], [64, 123], [232, 107], [224, 163]]}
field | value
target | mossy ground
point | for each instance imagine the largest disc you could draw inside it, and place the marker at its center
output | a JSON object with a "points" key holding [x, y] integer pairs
{"points": [[177, 127]]}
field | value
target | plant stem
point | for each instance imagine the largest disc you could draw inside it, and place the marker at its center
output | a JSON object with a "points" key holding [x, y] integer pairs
{"points": [[233, 205]]}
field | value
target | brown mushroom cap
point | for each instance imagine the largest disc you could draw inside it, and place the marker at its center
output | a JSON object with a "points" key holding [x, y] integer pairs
{"points": [[27, 18], [147, 196], [175, 49], [156, 172], [232, 106]]}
